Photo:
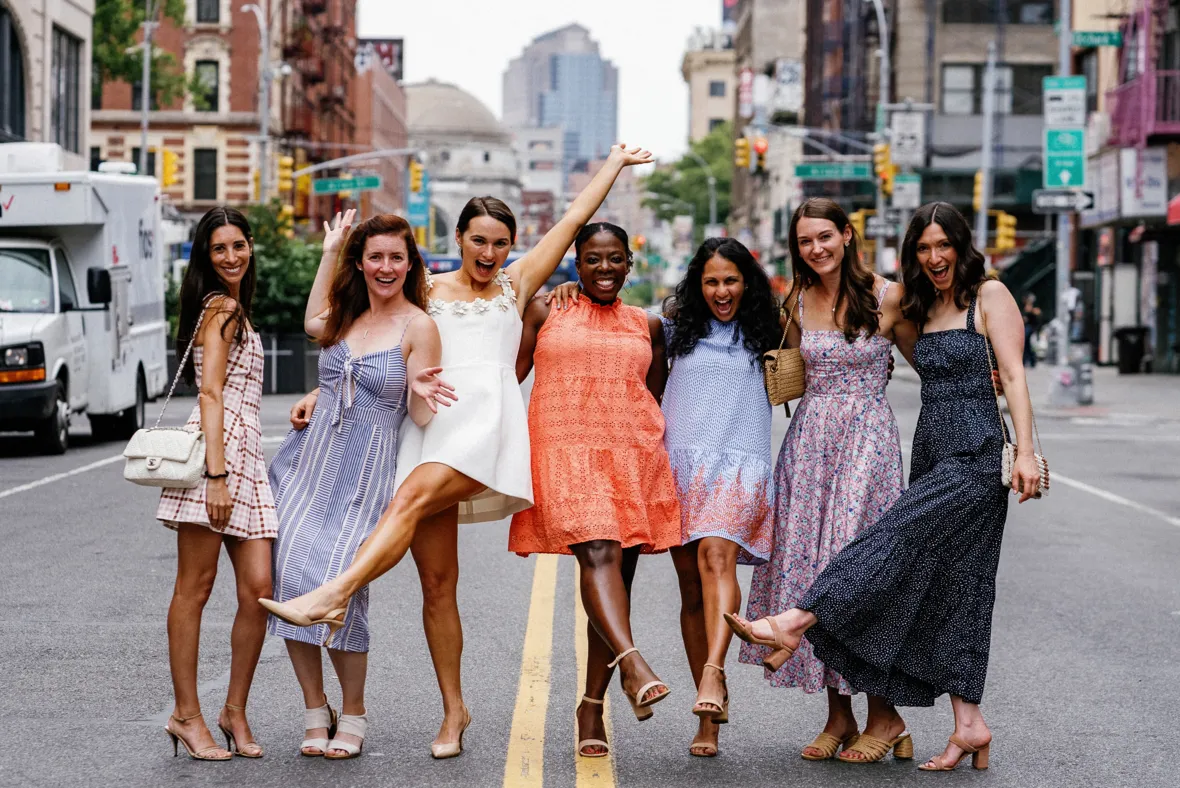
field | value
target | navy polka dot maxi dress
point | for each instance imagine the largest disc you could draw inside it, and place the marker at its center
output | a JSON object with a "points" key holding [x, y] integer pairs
{"points": [[905, 609]]}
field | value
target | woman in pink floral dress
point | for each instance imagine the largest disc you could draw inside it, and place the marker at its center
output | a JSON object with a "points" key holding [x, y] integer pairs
{"points": [[840, 466]]}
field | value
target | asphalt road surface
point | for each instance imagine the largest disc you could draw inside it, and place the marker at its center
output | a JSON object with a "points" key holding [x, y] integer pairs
{"points": [[1083, 690]]}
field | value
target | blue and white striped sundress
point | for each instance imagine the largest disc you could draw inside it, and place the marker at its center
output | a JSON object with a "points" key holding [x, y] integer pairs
{"points": [[333, 479]]}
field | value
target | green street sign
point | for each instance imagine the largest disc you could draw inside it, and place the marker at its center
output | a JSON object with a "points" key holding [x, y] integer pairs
{"points": [[1065, 158], [1064, 83], [834, 171], [1097, 38], [333, 185]]}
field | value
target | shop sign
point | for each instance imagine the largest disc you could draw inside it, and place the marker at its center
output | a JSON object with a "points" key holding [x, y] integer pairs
{"points": [[1144, 178], [1103, 176]]}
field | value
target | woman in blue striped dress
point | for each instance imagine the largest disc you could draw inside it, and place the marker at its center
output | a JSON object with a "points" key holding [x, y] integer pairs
{"points": [[333, 476]]}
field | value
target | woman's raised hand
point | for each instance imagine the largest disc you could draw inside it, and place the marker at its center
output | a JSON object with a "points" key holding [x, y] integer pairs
{"points": [[565, 295], [629, 156], [433, 389], [335, 232]]}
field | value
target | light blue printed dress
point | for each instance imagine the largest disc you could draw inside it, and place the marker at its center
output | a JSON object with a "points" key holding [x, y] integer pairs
{"points": [[717, 433], [333, 479]]}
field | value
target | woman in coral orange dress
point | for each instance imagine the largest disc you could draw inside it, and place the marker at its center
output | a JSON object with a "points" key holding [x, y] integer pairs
{"points": [[602, 483]]}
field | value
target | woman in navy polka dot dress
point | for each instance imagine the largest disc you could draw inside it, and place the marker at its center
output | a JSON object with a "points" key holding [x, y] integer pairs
{"points": [[904, 611]]}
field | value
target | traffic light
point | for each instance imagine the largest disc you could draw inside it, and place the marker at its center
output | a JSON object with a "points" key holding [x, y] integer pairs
{"points": [[1005, 231], [857, 220], [977, 201], [287, 220], [257, 184], [884, 167], [168, 168], [303, 184], [284, 182], [638, 242], [741, 152], [761, 146], [415, 176]]}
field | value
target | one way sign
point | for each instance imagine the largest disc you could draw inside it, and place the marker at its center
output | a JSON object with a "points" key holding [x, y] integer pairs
{"points": [[1060, 201]]}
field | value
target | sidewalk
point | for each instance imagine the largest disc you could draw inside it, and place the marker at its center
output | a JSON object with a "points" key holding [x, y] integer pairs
{"points": [[1130, 399]]}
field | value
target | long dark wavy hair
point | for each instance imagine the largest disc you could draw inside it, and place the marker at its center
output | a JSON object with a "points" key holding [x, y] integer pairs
{"points": [[857, 285], [970, 270], [201, 281], [348, 298], [756, 322]]}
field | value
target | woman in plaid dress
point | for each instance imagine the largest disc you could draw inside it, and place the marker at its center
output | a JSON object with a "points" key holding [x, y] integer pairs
{"points": [[234, 506]]}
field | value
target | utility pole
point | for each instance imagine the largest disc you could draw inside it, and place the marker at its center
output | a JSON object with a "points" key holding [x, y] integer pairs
{"points": [[711, 180], [264, 80], [883, 90], [150, 9], [985, 164]]}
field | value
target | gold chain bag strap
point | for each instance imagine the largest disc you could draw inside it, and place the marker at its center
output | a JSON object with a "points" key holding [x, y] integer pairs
{"points": [[1009, 456], [783, 369]]}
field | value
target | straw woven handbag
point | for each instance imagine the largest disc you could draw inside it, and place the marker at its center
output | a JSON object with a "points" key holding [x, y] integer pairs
{"points": [[784, 369]]}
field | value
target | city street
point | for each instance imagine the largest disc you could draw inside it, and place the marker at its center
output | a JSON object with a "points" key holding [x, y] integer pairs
{"points": [[1083, 689]]}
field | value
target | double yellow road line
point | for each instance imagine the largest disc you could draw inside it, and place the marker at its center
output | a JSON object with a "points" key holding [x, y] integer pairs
{"points": [[525, 767]]}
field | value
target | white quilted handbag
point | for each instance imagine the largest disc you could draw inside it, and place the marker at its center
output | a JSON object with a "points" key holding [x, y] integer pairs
{"points": [[167, 456]]}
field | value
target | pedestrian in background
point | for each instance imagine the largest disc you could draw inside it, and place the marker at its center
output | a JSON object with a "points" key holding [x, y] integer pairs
{"points": [[904, 611], [602, 484], [1032, 322], [334, 473], [722, 318], [234, 507], [840, 465], [471, 462]]}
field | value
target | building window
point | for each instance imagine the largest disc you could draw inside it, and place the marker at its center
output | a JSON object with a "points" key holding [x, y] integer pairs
{"points": [[208, 11], [137, 98], [717, 88], [65, 91], [208, 77], [95, 158], [985, 12], [1090, 71], [95, 89], [151, 162], [1018, 88], [205, 174], [12, 82], [715, 123]]}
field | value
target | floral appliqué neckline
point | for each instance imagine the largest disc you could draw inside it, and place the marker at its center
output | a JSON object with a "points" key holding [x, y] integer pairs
{"points": [[503, 302]]}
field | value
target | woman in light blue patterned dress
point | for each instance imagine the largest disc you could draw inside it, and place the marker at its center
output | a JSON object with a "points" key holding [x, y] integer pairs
{"points": [[333, 475], [721, 320], [840, 465]]}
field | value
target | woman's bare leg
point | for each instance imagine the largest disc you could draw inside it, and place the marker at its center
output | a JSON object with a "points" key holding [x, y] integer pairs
{"points": [[692, 630], [436, 553], [307, 660], [969, 726], [352, 668], [429, 489], [251, 559], [717, 559]]}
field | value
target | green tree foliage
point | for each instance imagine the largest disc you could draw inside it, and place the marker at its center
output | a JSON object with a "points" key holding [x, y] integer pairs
{"points": [[673, 189], [286, 271], [116, 28]]}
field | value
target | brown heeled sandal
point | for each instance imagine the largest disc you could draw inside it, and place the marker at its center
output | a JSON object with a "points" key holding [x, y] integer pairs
{"points": [[204, 754], [720, 714], [745, 630], [828, 745], [874, 749], [978, 757], [231, 742], [584, 743], [641, 707]]}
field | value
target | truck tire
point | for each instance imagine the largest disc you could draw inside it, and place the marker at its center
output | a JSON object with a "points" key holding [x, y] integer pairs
{"points": [[53, 434]]}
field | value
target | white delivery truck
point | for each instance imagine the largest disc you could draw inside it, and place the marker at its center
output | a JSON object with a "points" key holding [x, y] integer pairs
{"points": [[82, 326]]}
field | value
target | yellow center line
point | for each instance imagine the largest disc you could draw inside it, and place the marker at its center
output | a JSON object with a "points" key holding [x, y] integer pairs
{"points": [[525, 765], [589, 772]]}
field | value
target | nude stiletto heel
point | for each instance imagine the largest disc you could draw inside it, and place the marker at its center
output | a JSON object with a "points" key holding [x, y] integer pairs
{"points": [[334, 619], [197, 755], [454, 749], [641, 707], [231, 743]]}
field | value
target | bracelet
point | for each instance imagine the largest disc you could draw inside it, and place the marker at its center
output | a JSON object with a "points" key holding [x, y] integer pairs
{"points": [[222, 475]]}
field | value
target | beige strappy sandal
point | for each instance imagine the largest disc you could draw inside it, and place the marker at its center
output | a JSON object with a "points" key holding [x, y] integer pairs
{"points": [[584, 743], [978, 755], [745, 630], [828, 745], [322, 717], [719, 714], [874, 749], [354, 725], [213, 753], [641, 707], [231, 743]]}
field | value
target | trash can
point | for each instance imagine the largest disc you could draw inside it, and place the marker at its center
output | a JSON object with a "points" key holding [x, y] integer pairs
{"points": [[1132, 347]]}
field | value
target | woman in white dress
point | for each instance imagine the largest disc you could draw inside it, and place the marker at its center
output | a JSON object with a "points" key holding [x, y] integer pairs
{"points": [[471, 463]]}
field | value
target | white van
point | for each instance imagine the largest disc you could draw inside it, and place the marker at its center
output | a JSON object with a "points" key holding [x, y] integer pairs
{"points": [[82, 326]]}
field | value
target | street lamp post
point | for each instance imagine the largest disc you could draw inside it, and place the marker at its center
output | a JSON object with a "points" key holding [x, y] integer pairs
{"points": [[883, 90], [264, 79], [150, 9], [711, 180]]}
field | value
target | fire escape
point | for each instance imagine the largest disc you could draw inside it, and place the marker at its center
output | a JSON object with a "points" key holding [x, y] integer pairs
{"points": [[1146, 102]]}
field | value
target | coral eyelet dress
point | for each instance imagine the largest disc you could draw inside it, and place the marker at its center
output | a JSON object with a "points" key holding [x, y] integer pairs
{"points": [[484, 435]]}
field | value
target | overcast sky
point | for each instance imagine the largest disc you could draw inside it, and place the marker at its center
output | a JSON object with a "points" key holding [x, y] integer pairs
{"points": [[469, 43]]}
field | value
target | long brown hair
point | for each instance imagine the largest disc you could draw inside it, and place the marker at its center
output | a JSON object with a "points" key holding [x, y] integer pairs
{"points": [[857, 285], [970, 270], [349, 297], [487, 206]]}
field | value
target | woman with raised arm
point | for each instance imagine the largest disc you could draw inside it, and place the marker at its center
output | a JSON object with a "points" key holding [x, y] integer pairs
{"points": [[840, 465], [904, 611], [471, 463], [234, 506], [594, 413], [333, 477]]}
